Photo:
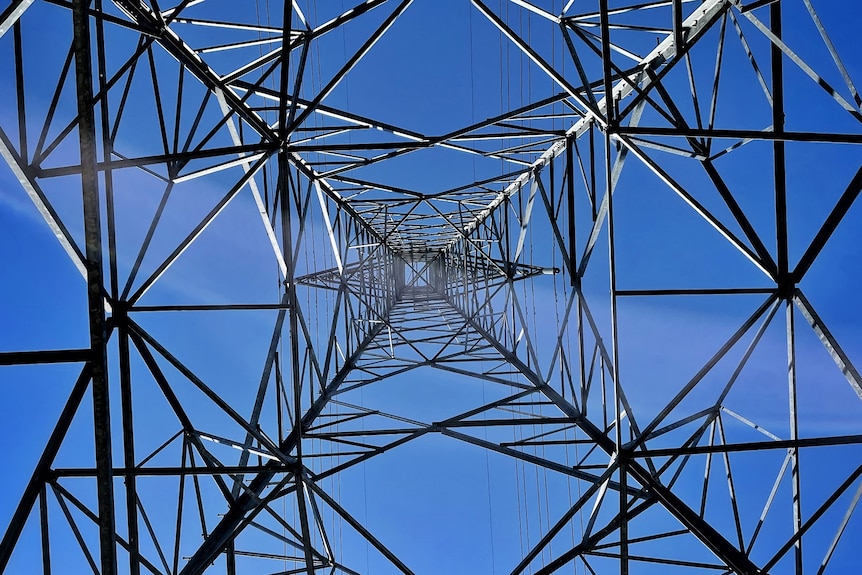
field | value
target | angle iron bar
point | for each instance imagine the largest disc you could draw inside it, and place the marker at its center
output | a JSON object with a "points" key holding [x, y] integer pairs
{"points": [[750, 423], [457, 134], [320, 525], [220, 23], [243, 44], [335, 196], [407, 149], [145, 244], [12, 14], [44, 531], [240, 161], [829, 342], [619, 10], [129, 459], [814, 518], [528, 131], [209, 307], [186, 458], [660, 560], [731, 488], [168, 158], [612, 179], [671, 149], [192, 437], [46, 356], [738, 213], [20, 99], [534, 421], [571, 471], [695, 291], [95, 286], [525, 333], [692, 439], [312, 353], [832, 52], [593, 104], [835, 217], [131, 65], [198, 230], [754, 4], [792, 383], [484, 376], [698, 113], [780, 46], [307, 543], [157, 100], [162, 471], [782, 444], [273, 55], [246, 166], [840, 530], [144, 45], [345, 17], [552, 219], [46, 210], [52, 108], [610, 182], [646, 538], [278, 536], [327, 111], [285, 116], [466, 236], [76, 532], [42, 471], [698, 207]]}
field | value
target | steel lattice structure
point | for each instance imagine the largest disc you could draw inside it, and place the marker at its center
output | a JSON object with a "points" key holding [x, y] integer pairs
{"points": [[589, 250]]}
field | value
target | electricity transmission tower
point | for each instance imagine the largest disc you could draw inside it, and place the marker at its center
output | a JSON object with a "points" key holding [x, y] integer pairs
{"points": [[430, 286]]}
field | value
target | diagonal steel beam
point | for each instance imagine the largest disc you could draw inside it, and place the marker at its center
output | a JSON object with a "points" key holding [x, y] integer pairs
{"points": [[835, 351], [43, 468], [12, 14], [46, 210]]}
